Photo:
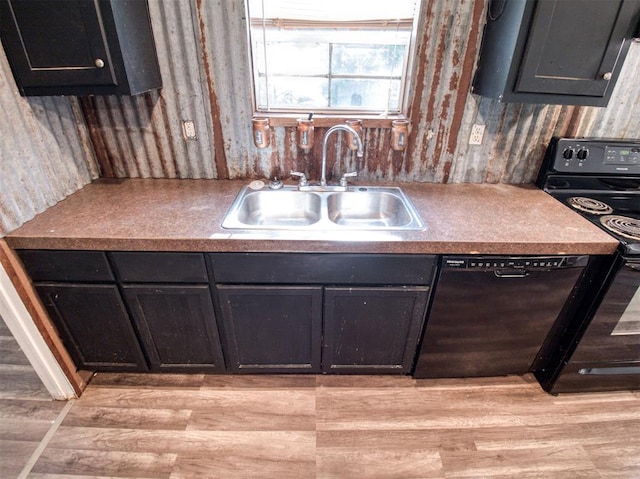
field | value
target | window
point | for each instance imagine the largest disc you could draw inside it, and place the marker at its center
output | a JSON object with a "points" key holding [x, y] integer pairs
{"points": [[333, 56]]}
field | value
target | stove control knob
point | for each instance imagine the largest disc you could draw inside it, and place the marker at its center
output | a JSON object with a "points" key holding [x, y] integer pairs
{"points": [[567, 154], [582, 154]]}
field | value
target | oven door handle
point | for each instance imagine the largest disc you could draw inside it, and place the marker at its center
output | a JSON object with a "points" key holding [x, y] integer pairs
{"points": [[633, 266]]}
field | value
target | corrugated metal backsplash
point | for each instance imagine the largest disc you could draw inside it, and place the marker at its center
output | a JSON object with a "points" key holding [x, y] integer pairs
{"points": [[621, 118], [45, 153], [202, 48]]}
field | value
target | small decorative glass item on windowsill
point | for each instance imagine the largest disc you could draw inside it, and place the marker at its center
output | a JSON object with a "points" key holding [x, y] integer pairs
{"points": [[357, 126], [399, 134], [261, 132], [305, 133]]}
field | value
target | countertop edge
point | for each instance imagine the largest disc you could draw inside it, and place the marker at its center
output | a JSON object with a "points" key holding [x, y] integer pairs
{"points": [[307, 246]]}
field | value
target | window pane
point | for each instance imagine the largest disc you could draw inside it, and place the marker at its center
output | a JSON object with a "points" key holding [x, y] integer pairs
{"points": [[369, 94], [298, 92], [374, 60], [289, 58]]}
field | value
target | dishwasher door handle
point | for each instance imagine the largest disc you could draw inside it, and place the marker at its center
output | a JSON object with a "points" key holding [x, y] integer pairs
{"points": [[511, 274]]}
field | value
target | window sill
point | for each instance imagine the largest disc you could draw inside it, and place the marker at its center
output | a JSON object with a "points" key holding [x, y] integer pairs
{"points": [[323, 120]]}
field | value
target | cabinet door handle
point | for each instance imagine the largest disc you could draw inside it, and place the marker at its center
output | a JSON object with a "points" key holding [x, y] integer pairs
{"points": [[99, 63], [607, 76]]}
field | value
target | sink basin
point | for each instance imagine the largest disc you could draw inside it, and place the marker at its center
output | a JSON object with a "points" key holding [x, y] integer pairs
{"points": [[276, 209], [368, 209], [359, 208]]}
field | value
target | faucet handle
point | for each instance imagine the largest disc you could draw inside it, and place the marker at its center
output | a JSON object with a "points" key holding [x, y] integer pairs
{"points": [[275, 183], [344, 181], [303, 178]]}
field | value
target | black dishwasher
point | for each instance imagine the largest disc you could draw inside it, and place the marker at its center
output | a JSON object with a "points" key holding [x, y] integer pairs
{"points": [[490, 315]]}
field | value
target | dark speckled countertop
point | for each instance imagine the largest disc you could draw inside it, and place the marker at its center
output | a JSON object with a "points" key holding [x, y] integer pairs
{"points": [[185, 215]]}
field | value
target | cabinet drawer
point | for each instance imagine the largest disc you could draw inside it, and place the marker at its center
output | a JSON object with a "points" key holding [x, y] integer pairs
{"points": [[315, 268], [138, 267], [53, 265]]}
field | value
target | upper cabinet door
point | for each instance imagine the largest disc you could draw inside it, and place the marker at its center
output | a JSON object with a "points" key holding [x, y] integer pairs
{"points": [[565, 52], [80, 47], [574, 46], [58, 41]]}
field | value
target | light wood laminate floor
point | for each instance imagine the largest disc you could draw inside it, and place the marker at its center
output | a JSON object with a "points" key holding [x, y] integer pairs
{"points": [[26, 409], [193, 426]]}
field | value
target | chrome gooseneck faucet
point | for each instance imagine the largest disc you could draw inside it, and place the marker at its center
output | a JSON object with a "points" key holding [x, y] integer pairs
{"points": [[360, 152]]}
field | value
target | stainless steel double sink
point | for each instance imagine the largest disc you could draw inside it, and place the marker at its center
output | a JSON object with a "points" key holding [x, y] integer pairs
{"points": [[325, 209]]}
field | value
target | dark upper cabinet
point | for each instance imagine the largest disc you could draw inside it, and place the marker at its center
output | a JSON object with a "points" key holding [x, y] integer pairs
{"points": [[80, 47], [555, 51]]}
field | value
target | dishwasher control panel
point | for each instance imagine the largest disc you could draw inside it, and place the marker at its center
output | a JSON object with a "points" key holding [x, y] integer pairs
{"points": [[528, 263]]}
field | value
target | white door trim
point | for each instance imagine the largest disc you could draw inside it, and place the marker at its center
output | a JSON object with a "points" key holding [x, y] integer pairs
{"points": [[21, 325]]}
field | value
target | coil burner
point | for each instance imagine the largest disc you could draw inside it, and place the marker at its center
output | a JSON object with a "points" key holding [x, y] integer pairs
{"points": [[622, 225], [589, 205]]}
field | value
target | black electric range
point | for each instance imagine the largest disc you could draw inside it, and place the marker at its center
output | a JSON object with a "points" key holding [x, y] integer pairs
{"points": [[599, 179], [600, 350]]}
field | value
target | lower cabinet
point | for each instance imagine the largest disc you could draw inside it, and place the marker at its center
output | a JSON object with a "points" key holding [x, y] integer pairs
{"points": [[280, 329], [372, 330], [129, 311], [271, 328], [176, 326], [270, 312], [94, 325], [372, 326]]}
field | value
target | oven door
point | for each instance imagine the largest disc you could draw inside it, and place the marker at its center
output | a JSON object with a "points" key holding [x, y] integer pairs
{"points": [[608, 355]]}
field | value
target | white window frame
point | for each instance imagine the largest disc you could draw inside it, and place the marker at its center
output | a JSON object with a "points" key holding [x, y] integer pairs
{"points": [[405, 82]]}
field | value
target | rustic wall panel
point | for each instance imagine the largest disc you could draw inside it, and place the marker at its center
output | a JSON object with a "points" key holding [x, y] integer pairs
{"points": [[44, 153], [516, 135], [141, 136], [202, 46], [515, 138], [445, 65], [204, 63], [621, 119], [222, 26]]}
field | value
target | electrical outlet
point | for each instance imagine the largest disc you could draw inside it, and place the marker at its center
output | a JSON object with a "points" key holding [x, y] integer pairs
{"points": [[477, 133], [189, 130]]}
